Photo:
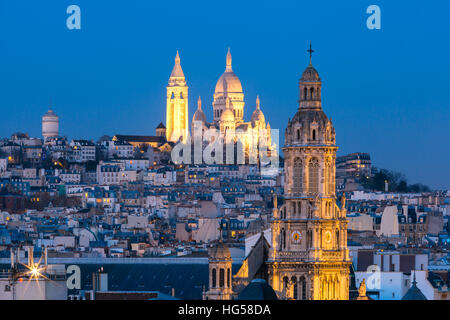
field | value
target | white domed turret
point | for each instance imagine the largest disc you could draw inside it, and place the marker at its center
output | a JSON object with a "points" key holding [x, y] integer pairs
{"points": [[227, 119], [50, 125], [258, 116], [199, 115], [199, 119]]}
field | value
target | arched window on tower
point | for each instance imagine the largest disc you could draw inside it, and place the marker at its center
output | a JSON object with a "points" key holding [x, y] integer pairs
{"points": [[298, 176], [331, 180], [181, 95], [294, 287], [214, 276], [327, 177], [285, 285], [298, 134], [312, 94], [313, 175], [282, 239], [305, 94], [172, 96], [302, 287], [304, 293], [314, 134], [337, 239], [221, 278]]}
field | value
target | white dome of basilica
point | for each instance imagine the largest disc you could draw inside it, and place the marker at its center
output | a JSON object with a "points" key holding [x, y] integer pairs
{"points": [[228, 81]]}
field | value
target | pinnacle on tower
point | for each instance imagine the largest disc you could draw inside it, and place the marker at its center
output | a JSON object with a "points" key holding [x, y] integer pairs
{"points": [[228, 68], [177, 71]]}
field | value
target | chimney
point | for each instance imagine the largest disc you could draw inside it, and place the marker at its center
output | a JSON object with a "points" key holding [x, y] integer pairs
{"points": [[30, 256], [13, 259], [45, 256]]}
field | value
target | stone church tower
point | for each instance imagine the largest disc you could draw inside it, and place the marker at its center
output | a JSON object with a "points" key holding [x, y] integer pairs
{"points": [[177, 104], [309, 258], [220, 273]]}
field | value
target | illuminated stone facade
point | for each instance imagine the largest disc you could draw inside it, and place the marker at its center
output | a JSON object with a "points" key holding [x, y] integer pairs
{"points": [[228, 113], [309, 259], [177, 104]]}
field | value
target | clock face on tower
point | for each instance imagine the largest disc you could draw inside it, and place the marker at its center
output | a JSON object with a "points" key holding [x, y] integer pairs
{"points": [[296, 236]]}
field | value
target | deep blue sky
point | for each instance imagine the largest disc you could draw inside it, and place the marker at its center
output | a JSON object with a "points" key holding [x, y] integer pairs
{"points": [[386, 90]]}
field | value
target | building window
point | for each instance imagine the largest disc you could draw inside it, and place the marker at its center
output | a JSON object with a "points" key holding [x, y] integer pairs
{"points": [[295, 287], [282, 239], [298, 176], [337, 239], [303, 288], [221, 278], [214, 278], [313, 175]]}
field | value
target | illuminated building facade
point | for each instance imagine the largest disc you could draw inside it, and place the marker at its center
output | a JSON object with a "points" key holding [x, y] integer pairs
{"points": [[309, 259], [228, 113], [177, 104]]}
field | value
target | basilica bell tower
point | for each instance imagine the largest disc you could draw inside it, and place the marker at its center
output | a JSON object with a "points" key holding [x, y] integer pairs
{"points": [[309, 258], [177, 104]]}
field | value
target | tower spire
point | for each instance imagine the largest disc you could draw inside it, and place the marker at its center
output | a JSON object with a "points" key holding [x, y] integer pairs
{"points": [[228, 67], [257, 102], [177, 58], [177, 71], [199, 103]]}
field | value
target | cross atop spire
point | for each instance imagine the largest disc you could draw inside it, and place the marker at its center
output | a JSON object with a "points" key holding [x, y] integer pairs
{"points": [[310, 50]]}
